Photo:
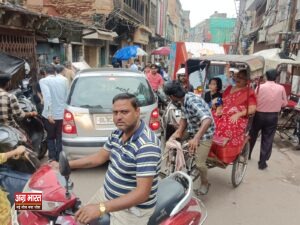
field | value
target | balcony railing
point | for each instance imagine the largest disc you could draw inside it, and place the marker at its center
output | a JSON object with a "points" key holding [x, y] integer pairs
{"points": [[130, 12]]}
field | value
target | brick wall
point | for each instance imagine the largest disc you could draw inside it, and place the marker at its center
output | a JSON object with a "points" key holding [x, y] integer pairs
{"points": [[81, 10]]}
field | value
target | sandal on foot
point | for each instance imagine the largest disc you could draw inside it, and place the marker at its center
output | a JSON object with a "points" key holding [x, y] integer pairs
{"points": [[203, 190]]}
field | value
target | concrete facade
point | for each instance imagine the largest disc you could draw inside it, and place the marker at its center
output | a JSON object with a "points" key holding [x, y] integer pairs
{"points": [[147, 23], [216, 29], [269, 24], [178, 21]]}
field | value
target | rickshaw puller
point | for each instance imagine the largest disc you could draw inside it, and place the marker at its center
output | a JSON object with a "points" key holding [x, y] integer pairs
{"points": [[198, 120]]}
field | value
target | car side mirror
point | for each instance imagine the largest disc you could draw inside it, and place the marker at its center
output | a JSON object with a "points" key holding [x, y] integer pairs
{"points": [[64, 166]]}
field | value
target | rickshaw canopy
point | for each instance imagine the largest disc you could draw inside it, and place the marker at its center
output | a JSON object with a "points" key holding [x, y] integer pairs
{"points": [[254, 64], [273, 59]]}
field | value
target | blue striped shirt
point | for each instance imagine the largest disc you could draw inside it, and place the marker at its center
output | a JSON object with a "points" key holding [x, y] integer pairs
{"points": [[140, 156]]}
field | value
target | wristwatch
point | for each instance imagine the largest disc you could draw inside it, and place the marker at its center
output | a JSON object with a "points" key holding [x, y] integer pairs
{"points": [[102, 208]]}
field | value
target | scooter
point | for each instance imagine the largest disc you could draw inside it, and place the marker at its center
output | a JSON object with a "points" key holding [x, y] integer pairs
{"points": [[59, 204], [34, 126], [15, 172]]}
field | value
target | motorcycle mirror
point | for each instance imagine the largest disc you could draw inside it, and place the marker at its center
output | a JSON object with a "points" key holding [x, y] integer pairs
{"points": [[64, 166]]}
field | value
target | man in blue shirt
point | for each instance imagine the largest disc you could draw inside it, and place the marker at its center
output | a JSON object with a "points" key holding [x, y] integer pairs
{"points": [[54, 89], [196, 124], [130, 185]]}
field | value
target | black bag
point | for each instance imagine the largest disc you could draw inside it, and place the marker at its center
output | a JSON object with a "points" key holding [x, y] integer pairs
{"points": [[9, 138]]}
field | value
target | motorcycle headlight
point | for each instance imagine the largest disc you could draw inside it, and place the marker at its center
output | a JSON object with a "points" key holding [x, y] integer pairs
{"points": [[14, 216], [26, 187], [46, 205], [50, 206]]}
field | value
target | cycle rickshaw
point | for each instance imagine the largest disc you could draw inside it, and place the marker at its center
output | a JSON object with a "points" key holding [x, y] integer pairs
{"points": [[201, 69], [289, 78]]}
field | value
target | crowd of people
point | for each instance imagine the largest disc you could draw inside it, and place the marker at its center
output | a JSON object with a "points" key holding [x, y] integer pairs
{"points": [[133, 150]]}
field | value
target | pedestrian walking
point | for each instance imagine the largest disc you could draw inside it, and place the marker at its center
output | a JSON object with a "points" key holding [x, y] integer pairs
{"points": [[271, 97], [68, 72], [54, 89], [55, 61], [134, 64], [155, 79]]}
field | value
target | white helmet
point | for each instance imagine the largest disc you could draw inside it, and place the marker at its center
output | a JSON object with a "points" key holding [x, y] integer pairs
{"points": [[234, 70], [180, 71]]}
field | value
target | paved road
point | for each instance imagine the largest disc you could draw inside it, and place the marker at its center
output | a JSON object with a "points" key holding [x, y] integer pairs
{"points": [[269, 197]]}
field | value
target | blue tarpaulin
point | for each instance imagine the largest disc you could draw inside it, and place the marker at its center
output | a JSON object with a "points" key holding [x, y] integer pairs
{"points": [[129, 52]]}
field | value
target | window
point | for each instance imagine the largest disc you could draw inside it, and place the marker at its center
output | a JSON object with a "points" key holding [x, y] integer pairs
{"points": [[153, 14], [141, 9], [98, 91], [128, 2]]}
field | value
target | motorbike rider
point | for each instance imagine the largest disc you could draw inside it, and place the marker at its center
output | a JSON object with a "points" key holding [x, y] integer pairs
{"points": [[130, 186], [181, 76], [4, 202], [198, 120], [10, 110]]}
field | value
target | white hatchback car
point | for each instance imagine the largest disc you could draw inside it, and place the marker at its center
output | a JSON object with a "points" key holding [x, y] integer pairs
{"points": [[88, 118]]}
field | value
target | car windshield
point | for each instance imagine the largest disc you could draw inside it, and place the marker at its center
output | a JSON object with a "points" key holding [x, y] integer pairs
{"points": [[98, 91]]}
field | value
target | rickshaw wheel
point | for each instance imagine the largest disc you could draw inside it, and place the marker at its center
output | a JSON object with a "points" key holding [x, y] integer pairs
{"points": [[240, 166]]}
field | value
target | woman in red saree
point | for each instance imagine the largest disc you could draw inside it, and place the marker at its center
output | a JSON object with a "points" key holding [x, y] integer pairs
{"points": [[231, 125]]}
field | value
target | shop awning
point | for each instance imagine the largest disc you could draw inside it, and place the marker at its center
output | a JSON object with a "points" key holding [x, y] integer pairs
{"points": [[99, 35]]}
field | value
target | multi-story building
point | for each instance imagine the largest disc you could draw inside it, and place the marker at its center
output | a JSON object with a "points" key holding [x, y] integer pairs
{"points": [[178, 22], [268, 24], [94, 30], [18, 33], [217, 29]]}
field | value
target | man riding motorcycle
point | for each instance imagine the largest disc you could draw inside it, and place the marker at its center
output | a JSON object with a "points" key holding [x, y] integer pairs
{"points": [[181, 76], [9, 107]]}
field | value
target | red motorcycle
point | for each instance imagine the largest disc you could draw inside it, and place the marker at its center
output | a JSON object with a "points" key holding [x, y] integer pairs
{"points": [[175, 203]]}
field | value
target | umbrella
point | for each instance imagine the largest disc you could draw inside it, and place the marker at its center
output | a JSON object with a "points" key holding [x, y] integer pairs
{"points": [[161, 51], [9, 64], [129, 52]]}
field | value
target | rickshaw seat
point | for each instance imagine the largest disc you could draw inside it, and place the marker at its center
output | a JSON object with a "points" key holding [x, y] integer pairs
{"points": [[291, 104], [288, 89], [218, 149]]}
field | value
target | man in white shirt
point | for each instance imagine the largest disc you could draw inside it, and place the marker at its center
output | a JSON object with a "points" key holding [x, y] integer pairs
{"points": [[133, 65], [54, 89]]}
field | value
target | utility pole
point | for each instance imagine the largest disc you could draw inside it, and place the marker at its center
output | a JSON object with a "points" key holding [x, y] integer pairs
{"points": [[240, 9], [289, 28]]}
